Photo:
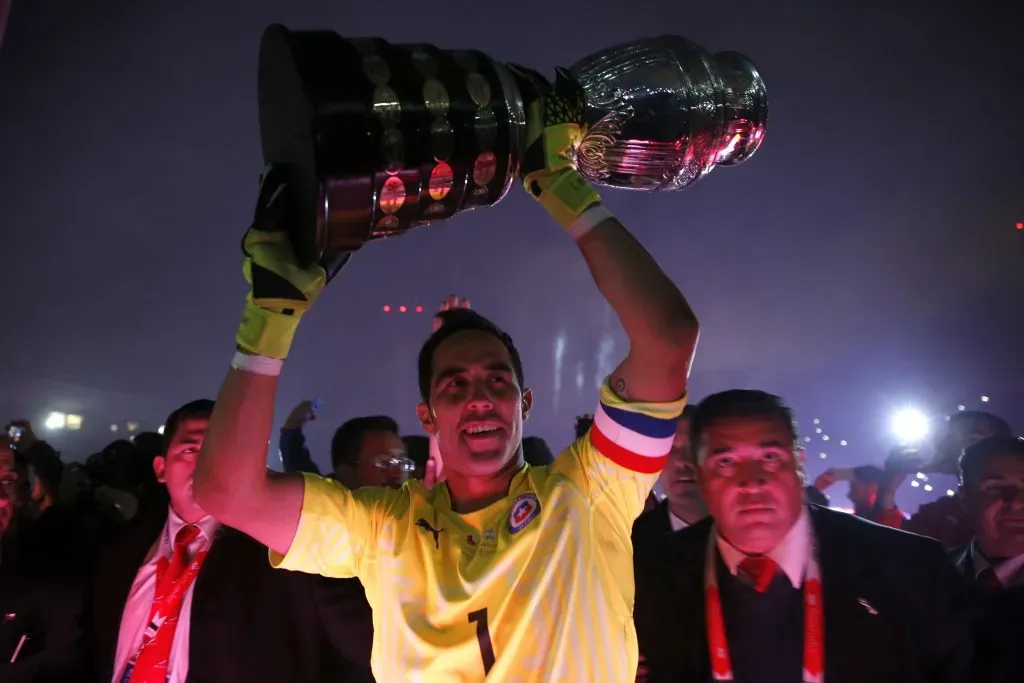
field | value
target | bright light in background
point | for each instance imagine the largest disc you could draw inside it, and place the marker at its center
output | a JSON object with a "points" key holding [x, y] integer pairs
{"points": [[160, 429], [961, 407], [132, 426], [843, 442], [910, 426], [950, 492], [824, 437], [56, 420], [113, 428], [927, 487], [984, 399], [73, 422], [915, 483], [823, 456]]}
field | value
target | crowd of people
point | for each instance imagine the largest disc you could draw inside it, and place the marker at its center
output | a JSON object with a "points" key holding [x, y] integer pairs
{"points": [[665, 543]]}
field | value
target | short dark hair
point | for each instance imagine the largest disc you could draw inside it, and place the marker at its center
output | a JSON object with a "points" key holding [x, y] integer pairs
{"points": [[1000, 427], [737, 403], [348, 438], [869, 474], [201, 408], [973, 456], [462, 320]]}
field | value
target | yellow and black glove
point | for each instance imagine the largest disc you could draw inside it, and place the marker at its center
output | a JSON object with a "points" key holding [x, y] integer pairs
{"points": [[554, 127], [281, 290]]}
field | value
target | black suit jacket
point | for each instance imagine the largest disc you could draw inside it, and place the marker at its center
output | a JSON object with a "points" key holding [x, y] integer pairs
{"points": [[650, 526], [998, 626], [915, 631], [40, 609], [250, 623]]}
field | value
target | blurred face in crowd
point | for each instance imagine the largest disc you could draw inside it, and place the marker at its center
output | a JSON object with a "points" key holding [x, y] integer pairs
{"points": [[679, 478], [175, 468], [476, 406], [863, 494], [958, 435], [8, 485], [995, 504], [751, 477], [382, 461]]}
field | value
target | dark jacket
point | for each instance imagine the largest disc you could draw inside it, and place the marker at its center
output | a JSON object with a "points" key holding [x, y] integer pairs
{"points": [[916, 630]]}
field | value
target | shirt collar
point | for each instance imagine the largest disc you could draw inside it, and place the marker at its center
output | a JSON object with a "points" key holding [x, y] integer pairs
{"points": [[1006, 571], [791, 553], [207, 526], [674, 522]]}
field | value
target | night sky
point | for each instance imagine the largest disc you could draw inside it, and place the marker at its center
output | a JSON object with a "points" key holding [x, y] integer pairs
{"points": [[865, 258]]}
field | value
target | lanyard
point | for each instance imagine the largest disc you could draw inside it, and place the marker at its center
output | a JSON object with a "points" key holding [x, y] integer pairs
{"points": [[814, 620], [168, 595]]}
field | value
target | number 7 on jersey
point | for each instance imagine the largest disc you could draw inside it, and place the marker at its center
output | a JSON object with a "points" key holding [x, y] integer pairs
{"points": [[483, 638]]}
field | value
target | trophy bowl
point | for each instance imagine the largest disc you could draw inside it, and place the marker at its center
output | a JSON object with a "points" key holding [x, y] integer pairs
{"points": [[379, 138]]}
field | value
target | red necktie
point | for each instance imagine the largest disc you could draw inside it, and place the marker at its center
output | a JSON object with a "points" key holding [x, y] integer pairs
{"points": [[989, 580], [759, 570], [173, 578]]}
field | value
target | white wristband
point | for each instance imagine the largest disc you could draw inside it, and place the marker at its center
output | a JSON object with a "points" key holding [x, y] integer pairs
{"points": [[259, 365], [587, 221]]}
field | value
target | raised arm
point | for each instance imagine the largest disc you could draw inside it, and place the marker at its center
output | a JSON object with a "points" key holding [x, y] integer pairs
{"points": [[232, 482], [661, 327]]}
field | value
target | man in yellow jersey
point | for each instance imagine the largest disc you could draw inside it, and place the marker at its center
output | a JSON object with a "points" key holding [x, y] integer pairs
{"points": [[503, 572]]}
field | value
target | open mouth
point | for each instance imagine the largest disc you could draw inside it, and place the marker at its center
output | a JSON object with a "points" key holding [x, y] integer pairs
{"points": [[481, 431]]}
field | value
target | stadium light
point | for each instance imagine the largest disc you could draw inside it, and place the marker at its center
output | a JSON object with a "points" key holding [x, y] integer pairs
{"points": [[56, 421], [910, 426]]}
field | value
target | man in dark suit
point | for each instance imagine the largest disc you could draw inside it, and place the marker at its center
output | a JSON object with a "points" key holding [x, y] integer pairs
{"points": [[681, 505], [40, 594], [770, 590], [176, 597], [992, 564]]}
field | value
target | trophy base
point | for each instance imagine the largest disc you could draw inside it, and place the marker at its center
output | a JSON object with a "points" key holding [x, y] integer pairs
{"points": [[295, 78], [379, 139]]}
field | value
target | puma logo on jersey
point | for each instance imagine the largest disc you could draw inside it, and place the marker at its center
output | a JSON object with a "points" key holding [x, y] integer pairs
{"points": [[425, 525]]}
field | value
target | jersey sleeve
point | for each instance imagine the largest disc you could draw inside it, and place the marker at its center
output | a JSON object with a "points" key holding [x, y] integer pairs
{"points": [[618, 461], [339, 528]]}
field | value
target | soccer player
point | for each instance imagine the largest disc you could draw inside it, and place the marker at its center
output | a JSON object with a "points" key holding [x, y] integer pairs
{"points": [[503, 572]]}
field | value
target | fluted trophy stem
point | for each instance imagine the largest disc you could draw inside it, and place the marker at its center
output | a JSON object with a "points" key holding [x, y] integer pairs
{"points": [[381, 138]]}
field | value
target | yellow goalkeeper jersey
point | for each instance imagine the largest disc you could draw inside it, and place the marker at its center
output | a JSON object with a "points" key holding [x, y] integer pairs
{"points": [[537, 587]]}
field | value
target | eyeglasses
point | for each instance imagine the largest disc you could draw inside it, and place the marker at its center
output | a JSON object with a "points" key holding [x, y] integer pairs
{"points": [[391, 461]]}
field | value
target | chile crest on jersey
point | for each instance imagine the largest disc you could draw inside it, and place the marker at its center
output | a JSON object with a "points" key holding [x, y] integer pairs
{"points": [[524, 509]]}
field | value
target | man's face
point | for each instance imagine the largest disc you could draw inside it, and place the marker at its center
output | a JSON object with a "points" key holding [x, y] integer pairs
{"points": [[175, 468], [476, 406], [751, 478], [8, 485], [679, 478], [995, 505], [863, 494], [382, 461]]}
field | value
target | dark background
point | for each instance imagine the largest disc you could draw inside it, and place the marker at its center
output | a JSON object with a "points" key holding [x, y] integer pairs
{"points": [[865, 259]]}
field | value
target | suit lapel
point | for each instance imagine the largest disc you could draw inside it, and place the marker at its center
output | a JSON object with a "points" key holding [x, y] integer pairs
{"points": [[853, 607], [687, 605], [112, 587]]}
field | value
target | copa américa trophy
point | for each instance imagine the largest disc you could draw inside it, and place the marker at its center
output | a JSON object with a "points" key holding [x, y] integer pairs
{"points": [[380, 138]]}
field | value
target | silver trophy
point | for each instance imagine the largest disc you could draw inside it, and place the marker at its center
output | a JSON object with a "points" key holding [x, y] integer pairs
{"points": [[380, 138]]}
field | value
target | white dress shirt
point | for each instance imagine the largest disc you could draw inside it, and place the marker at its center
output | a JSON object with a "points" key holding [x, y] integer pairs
{"points": [[791, 553], [140, 601], [1008, 571], [674, 521]]}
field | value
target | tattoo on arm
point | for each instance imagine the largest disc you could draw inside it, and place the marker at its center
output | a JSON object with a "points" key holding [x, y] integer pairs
{"points": [[619, 387]]}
